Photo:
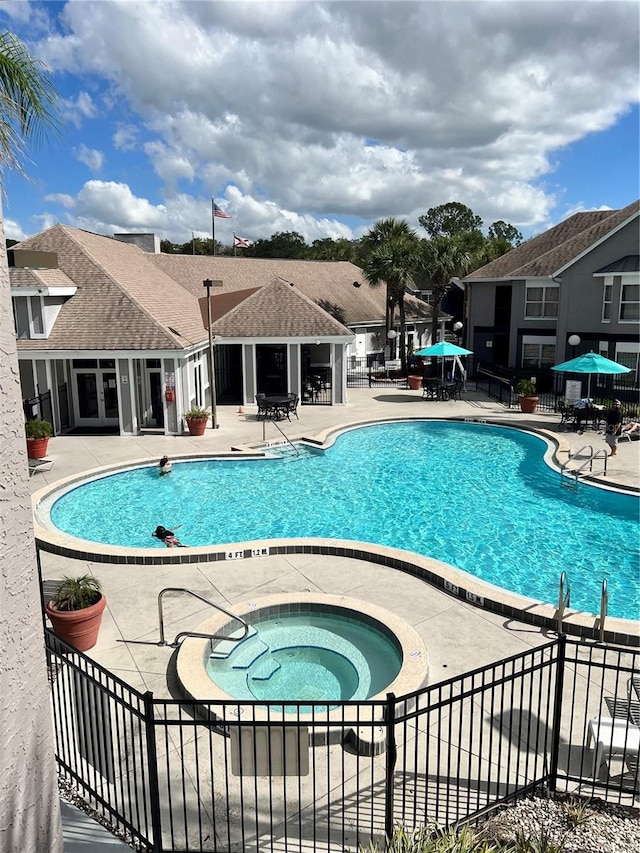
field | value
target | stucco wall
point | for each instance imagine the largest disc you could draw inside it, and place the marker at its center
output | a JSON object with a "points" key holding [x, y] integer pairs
{"points": [[29, 804]]}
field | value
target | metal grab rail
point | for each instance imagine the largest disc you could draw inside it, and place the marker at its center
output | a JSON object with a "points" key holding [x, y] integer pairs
{"points": [[182, 634], [564, 600], [604, 606], [574, 473], [286, 438]]}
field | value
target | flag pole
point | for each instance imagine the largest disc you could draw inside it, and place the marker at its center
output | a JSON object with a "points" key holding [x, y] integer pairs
{"points": [[213, 226], [234, 245]]}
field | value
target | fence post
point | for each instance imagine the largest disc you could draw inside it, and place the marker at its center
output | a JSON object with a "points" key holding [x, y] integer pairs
{"points": [[152, 769], [557, 711], [392, 754]]}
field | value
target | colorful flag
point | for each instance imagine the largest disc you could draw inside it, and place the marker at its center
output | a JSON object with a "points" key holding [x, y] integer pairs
{"points": [[217, 211], [240, 242]]}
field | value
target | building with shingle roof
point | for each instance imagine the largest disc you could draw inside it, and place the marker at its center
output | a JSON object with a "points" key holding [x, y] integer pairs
{"points": [[112, 334], [578, 280]]}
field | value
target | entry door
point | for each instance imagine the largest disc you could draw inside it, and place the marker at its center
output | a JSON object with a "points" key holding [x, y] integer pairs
{"points": [[97, 398]]}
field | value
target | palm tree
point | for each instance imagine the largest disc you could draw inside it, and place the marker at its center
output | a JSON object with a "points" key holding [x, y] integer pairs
{"points": [[390, 253], [441, 260], [27, 108]]}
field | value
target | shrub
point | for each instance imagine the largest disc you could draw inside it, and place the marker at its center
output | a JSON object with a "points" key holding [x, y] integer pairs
{"points": [[77, 593], [36, 428]]}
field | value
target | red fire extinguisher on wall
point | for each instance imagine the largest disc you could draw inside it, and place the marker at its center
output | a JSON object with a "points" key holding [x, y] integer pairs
{"points": [[170, 395]]}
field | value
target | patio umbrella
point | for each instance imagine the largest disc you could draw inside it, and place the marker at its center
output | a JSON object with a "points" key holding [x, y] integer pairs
{"points": [[442, 350], [591, 362]]}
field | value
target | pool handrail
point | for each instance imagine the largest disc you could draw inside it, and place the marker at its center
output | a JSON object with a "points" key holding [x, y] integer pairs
{"points": [[604, 606], [564, 600], [183, 634]]}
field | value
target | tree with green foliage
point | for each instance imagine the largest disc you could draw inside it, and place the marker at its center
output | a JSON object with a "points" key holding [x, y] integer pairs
{"points": [[283, 244], [390, 252], [441, 260], [501, 230], [28, 110], [450, 220]]}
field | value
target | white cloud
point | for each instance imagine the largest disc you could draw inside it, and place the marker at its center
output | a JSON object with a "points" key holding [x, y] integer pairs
{"points": [[13, 230], [91, 158], [79, 108], [347, 109]]}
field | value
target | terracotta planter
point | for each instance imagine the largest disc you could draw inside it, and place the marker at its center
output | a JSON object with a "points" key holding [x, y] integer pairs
{"points": [[197, 426], [528, 404], [37, 447], [415, 382], [79, 628]]}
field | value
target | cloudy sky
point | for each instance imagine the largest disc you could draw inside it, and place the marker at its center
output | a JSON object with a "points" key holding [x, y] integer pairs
{"points": [[322, 117]]}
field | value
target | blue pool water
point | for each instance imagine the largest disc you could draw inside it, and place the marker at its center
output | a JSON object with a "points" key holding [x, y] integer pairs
{"points": [[308, 657], [476, 496]]}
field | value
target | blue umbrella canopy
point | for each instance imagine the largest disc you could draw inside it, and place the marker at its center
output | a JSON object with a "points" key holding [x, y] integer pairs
{"points": [[441, 349], [591, 362]]}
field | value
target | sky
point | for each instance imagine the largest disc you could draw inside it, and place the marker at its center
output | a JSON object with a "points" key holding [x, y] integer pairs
{"points": [[323, 117]]}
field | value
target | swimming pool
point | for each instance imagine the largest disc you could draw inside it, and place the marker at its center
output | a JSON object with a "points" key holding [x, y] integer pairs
{"points": [[476, 496]]}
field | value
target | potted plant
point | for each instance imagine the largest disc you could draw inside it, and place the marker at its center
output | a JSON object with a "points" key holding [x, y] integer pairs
{"points": [[38, 435], [76, 611], [526, 391], [196, 419]]}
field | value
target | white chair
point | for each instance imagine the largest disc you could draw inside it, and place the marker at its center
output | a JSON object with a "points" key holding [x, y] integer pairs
{"points": [[612, 736]]}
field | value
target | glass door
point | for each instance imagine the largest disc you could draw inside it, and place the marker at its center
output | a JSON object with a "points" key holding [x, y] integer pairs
{"points": [[96, 398]]}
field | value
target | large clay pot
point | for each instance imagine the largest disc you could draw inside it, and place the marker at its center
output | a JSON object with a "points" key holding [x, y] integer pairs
{"points": [[79, 628], [197, 426], [528, 404], [37, 447], [415, 382]]}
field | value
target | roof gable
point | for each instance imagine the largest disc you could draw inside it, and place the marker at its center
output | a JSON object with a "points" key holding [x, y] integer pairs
{"points": [[556, 248], [277, 310]]}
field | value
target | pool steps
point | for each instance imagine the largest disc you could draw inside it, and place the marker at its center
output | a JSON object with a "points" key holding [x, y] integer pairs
{"points": [[223, 648]]}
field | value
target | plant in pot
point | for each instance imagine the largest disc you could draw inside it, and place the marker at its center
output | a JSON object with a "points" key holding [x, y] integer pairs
{"points": [[76, 611], [527, 393], [196, 419], [38, 435], [416, 371]]}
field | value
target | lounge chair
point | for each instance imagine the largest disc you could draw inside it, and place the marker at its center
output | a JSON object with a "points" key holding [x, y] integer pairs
{"points": [[40, 465]]}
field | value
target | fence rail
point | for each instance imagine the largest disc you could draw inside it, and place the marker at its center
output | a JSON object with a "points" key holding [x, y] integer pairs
{"points": [[183, 775]]}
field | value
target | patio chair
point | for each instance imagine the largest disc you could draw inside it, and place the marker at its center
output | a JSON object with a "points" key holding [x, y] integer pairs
{"points": [[430, 388], [292, 406], [612, 737], [567, 413], [262, 407]]}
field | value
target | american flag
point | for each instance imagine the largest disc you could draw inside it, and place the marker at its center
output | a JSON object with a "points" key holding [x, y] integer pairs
{"points": [[217, 211], [240, 242]]}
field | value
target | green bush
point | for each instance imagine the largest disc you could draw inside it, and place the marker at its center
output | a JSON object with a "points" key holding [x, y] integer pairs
{"points": [[196, 412], [36, 428], [77, 593], [526, 388]]}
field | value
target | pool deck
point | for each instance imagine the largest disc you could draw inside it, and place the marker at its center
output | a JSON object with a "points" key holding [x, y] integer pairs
{"points": [[459, 636]]}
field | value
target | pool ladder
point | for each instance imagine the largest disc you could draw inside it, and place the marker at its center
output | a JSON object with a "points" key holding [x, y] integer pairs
{"points": [[570, 477], [564, 600], [182, 634]]}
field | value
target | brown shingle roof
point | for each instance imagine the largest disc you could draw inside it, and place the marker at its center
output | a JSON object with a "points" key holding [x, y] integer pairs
{"points": [[547, 253], [107, 311], [25, 277], [325, 282], [278, 310], [128, 299]]}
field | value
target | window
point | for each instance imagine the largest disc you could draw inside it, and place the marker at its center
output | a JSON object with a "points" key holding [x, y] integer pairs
{"points": [[538, 352], [606, 303], [28, 317], [541, 301], [628, 354], [630, 303]]}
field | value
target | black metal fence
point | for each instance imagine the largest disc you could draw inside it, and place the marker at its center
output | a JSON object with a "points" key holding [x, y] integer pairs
{"points": [[370, 372], [179, 775], [39, 407]]}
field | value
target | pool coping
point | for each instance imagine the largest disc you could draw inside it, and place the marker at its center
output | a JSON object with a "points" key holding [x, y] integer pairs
{"points": [[454, 581], [197, 686]]}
